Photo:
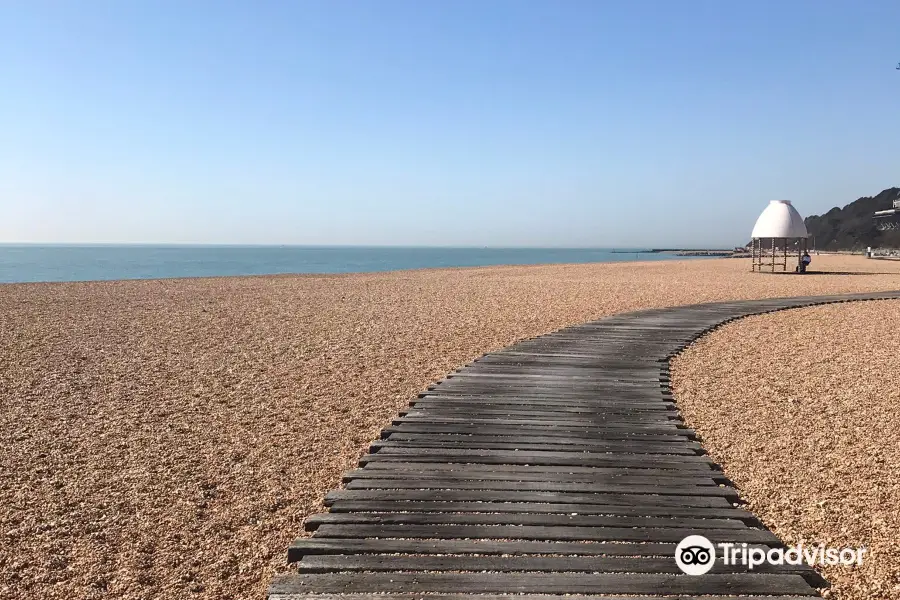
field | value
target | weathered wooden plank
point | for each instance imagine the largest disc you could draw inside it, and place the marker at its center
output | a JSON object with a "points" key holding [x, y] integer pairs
{"points": [[632, 394], [676, 435], [467, 382], [543, 520], [543, 508], [701, 470], [597, 447], [513, 356], [646, 400], [689, 478], [566, 350], [560, 387], [314, 546], [624, 414], [536, 457], [650, 400], [677, 446], [648, 417], [543, 377], [631, 421], [634, 461], [479, 596], [513, 359], [670, 427], [543, 486], [657, 405], [324, 563], [558, 533], [574, 439], [656, 449], [555, 533], [580, 344], [660, 406], [559, 370], [528, 496], [604, 447], [555, 583], [646, 393]]}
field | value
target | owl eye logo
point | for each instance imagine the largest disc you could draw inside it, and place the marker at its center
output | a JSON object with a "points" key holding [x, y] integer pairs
{"points": [[695, 555]]}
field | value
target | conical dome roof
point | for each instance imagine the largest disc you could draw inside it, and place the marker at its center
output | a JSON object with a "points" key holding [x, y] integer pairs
{"points": [[779, 220]]}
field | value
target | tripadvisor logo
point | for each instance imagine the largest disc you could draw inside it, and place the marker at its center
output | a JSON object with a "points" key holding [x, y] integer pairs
{"points": [[696, 555]]}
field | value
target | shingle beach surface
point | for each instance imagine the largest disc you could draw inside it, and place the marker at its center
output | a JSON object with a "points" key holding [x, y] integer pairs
{"points": [[166, 439], [801, 409]]}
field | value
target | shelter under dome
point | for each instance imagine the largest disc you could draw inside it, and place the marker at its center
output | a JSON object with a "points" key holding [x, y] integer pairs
{"points": [[779, 227]]}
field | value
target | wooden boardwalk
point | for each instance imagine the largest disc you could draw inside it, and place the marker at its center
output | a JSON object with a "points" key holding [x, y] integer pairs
{"points": [[556, 466]]}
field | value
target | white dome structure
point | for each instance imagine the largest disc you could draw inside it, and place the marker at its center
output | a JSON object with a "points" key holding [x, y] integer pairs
{"points": [[779, 220], [783, 227]]}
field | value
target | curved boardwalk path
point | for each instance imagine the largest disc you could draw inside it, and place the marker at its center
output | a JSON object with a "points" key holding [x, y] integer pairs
{"points": [[556, 466]]}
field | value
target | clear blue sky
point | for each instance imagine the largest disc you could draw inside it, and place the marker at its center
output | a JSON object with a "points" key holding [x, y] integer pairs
{"points": [[444, 122]]}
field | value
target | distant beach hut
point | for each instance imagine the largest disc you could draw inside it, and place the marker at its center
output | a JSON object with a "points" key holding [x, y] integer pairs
{"points": [[778, 230]]}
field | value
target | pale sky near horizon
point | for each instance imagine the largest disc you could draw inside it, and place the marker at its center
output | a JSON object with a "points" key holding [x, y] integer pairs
{"points": [[604, 123]]}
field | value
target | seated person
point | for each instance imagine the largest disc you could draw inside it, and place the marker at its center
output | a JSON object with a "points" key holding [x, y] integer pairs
{"points": [[804, 262]]}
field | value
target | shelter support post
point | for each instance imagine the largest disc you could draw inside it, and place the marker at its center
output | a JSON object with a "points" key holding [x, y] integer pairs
{"points": [[773, 255]]}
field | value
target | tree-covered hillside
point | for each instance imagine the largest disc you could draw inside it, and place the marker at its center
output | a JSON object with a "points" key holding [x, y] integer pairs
{"points": [[852, 227]]}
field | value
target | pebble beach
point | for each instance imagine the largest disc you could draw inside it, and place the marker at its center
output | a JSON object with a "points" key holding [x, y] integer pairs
{"points": [[800, 409], [165, 439]]}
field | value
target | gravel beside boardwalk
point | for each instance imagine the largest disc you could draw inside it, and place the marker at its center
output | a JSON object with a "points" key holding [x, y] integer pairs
{"points": [[165, 439], [800, 408]]}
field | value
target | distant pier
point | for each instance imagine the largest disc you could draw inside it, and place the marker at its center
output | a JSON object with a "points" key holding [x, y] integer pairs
{"points": [[688, 251]]}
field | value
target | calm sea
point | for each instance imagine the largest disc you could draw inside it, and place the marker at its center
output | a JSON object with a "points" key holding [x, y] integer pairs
{"points": [[21, 263]]}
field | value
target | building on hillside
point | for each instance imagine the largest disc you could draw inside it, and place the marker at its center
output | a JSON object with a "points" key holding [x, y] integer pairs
{"points": [[889, 219]]}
